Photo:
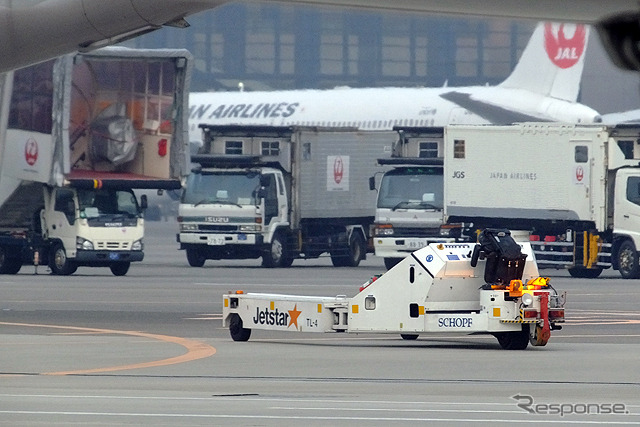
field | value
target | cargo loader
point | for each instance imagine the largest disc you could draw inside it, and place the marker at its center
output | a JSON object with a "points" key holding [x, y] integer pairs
{"points": [[490, 287], [78, 134]]}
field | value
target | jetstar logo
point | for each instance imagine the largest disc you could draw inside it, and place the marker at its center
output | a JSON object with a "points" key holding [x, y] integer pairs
{"points": [[243, 111], [277, 317], [564, 52]]}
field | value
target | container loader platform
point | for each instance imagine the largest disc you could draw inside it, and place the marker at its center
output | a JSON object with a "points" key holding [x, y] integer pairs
{"points": [[491, 287]]}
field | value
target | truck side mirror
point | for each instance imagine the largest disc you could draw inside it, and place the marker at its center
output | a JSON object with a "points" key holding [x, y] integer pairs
{"points": [[262, 193], [372, 183], [144, 204]]}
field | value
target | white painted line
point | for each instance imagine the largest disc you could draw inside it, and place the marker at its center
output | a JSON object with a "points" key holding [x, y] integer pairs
{"points": [[534, 420]]}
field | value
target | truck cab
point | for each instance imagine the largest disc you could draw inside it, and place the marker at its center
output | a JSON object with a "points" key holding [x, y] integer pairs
{"points": [[409, 208], [230, 212], [79, 225]]}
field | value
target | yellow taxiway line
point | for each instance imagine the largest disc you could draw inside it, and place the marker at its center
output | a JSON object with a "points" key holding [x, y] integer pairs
{"points": [[195, 349]]}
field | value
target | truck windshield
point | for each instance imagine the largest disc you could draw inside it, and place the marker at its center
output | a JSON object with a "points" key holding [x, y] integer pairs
{"points": [[411, 188], [233, 188], [95, 203]]}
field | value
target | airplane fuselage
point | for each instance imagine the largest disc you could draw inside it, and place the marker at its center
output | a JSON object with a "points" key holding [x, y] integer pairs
{"points": [[379, 108]]}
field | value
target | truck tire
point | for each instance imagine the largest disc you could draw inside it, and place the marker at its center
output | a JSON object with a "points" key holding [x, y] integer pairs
{"points": [[355, 252], [514, 340], [409, 337], [277, 255], [8, 264], [585, 273], [628, 260], [59, 263], [237, 330], [195, 257], [120, 268], [389, 263]]}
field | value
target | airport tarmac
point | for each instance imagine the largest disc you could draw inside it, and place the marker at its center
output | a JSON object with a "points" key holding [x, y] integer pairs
{"points": [[149, 349]]}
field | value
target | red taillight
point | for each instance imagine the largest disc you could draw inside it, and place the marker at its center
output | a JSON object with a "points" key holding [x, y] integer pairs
{"points": [[530, 313], [534, 238], [556, 313], [162, 147], [549, 238]]}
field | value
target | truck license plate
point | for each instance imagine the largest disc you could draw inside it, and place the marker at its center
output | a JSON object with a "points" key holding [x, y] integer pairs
{"points": [[114, 256], [416, 244], [215, 240]]}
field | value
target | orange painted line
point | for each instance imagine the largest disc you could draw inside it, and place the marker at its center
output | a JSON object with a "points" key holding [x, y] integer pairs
{"points": [[195, 349]]}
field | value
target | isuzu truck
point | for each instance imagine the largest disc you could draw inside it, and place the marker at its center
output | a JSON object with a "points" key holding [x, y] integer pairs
{"points": [[281, 193]]}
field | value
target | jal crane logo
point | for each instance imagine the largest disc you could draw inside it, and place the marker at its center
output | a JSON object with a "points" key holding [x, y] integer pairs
{"points": [[338, 170], [31, 152], [562, 51]]}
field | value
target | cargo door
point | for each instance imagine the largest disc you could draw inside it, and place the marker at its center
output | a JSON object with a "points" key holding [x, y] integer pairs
{"points": [[627, 204], [581, 171], [29, 146]]}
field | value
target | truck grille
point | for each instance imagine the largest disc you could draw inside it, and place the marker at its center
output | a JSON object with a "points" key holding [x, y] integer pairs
{"points": [[415, 232], [211, 227], [112, 246]]}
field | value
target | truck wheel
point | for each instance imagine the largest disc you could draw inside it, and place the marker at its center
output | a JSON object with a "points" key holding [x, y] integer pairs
{"points": [[357, 249], [237, 330], [585, 273], [60, 264], [195, 258], [277, 255], [389, 263], [355, 252], [8, 264], [120, 268], [514, 340], [409, 337], [628, 260]]}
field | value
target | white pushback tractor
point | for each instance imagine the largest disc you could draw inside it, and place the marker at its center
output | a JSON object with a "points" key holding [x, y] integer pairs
{"points": [[490, 287]]}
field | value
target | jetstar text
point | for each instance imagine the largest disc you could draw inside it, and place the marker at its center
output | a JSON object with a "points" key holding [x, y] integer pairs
{"points": [[271, 317]]}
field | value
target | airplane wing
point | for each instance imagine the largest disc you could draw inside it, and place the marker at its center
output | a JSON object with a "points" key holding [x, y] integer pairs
{"points": [[585, 11], [491, 113], [36, 30], [631, 116]]}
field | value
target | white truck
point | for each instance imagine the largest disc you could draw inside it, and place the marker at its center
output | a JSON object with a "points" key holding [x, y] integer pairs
{"points": [[492, 287], [280, 193], [574, 188], [78, 134], [409, 208]]}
